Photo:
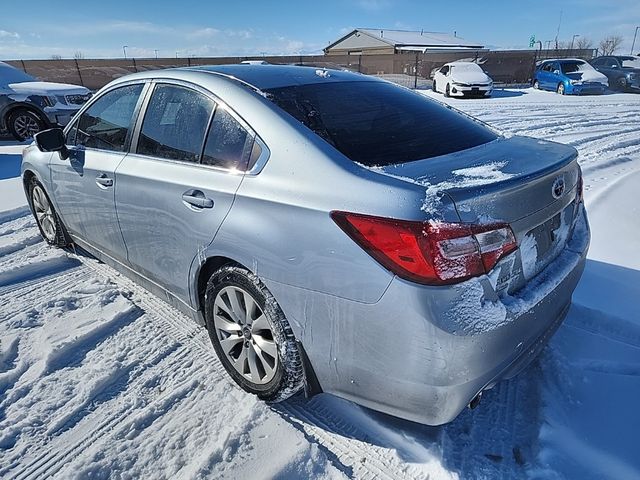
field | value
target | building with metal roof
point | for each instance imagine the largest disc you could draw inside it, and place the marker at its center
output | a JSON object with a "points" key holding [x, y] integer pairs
{"points": [[369, 41]]}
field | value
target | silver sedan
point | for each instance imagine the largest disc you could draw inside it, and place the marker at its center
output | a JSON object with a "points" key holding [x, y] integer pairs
{"points": [[332, 231]]}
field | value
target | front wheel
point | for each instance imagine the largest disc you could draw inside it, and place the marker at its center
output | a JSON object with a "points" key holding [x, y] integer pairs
{"points": [[251, 335], [433, 87], [24, 124], [560, 89], [447, 91], [49, 223], [622, 84]]}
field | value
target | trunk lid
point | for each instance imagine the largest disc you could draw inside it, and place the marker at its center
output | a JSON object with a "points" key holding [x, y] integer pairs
{"points": [[528, 183]]}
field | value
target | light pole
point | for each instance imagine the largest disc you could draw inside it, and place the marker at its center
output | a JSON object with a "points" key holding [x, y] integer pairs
{"points": [[156, 52], [634, 40], [572, 40], [124, 50]]}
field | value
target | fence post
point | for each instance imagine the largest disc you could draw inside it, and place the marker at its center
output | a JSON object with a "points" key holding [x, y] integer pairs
{"points": [[360, 63], [24, 67], [135, 67], [188, 61], [79, 74], [415, 73]]}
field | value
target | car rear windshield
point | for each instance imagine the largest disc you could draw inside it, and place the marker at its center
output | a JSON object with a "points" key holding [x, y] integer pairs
{"points": [[377, 123]]}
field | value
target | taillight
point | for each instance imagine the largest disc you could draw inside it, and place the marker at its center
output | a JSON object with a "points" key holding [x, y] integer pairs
{"points": [[432, 253]]}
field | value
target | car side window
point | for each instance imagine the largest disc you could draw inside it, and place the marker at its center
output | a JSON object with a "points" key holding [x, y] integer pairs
{"points": [[175, 123], [547, 67], [444, 70], [228, 142], [107, 122], [612, 63]]}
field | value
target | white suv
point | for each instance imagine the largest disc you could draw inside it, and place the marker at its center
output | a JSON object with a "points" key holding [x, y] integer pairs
{"points": [[28, 106]]}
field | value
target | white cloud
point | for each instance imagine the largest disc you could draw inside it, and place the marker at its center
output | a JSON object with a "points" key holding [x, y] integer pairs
{"points": [[5, 34]]}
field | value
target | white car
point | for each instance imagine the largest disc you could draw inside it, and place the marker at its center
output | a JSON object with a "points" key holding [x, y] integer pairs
{"points": [[462, 79]]}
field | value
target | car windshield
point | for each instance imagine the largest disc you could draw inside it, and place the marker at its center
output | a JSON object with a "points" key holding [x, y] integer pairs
{"points": [[632, 62], [9, 75], [467, 67], [377, 123], [572, 67]]}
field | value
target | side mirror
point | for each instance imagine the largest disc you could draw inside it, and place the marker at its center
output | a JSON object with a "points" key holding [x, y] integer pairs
{"points": [[556, 72], [52, 140]]}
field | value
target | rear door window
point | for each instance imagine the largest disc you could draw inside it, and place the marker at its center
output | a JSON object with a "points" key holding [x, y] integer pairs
{"points": [[377, 123], [106, 124], [175, 123], [228, 142]]}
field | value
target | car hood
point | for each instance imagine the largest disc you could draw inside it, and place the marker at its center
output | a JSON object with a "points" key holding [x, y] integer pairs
{"points": [[588, 76], [47, 88], [470, 77]]}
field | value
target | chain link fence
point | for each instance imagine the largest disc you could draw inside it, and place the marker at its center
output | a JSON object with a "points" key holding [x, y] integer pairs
{"points": [[410, 69]]}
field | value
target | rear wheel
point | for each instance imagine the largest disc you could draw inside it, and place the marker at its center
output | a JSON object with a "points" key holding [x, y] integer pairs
{"points": [[251, 335], [560, 89], [49, 223], [24, 124], [536, 84]]}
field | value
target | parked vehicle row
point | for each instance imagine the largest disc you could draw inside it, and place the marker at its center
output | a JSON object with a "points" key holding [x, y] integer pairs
{"points": [[28, 106], [282, 207]]}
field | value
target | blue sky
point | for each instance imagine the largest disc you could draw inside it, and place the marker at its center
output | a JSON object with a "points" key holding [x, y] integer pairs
{"points": [[238, 27]]}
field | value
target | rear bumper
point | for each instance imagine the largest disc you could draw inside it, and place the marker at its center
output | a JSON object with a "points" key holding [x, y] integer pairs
{"points": [[408, 355]]}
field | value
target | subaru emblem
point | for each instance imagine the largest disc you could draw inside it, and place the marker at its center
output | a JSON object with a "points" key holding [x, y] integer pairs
{"points": [[557, 189]]}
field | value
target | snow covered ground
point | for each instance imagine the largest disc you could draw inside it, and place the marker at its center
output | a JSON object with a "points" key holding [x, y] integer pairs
{"points": [[99, 378]]}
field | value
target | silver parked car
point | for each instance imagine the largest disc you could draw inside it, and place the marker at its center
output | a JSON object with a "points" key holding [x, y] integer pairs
{"points": [[332, 231]]}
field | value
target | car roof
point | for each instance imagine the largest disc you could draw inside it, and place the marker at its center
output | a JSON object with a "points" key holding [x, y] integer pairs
{"points": [[564, 60], [461, 63], [264, 77]]}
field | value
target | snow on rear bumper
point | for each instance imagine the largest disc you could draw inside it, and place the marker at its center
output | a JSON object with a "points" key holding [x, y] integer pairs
{"points": [[423, 366]]}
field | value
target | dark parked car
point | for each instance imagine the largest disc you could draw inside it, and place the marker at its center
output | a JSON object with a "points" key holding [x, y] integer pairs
{"points": [[623, 71], [28, 106]]}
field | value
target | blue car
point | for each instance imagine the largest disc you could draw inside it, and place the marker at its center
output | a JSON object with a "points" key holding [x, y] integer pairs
{"points": [[569, 76]]}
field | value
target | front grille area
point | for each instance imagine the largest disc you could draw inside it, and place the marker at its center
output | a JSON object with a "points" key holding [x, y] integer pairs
{"points": [[77, 99]]}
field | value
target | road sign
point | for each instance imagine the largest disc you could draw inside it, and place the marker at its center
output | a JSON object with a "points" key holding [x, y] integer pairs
{"points": [[532, 41]]}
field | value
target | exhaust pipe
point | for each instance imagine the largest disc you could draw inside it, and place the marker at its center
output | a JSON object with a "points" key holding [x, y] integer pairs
{"points": [[475, 401]]}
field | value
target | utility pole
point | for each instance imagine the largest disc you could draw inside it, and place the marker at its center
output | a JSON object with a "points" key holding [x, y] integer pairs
{"points": [[572, 40], [156, 52], [124, 50], [558, 31], [634, 41]]}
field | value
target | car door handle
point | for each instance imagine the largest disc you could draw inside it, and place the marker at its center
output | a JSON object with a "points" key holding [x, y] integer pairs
{"points": [[103, 181], [196, 198]]}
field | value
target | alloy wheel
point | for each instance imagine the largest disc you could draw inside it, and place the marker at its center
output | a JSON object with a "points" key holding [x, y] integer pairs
{"points": [[44, 213], [26, 126], [245, 335]]}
